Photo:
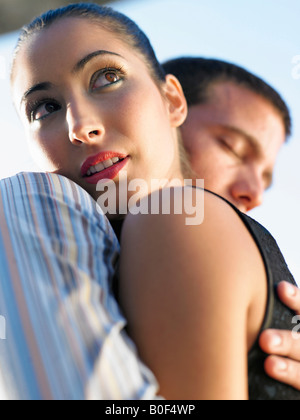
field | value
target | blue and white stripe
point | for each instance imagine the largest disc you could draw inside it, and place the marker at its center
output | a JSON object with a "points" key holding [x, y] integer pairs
{"points": [[65, 336]]}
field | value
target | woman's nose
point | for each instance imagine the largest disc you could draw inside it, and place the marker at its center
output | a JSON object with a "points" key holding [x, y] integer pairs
{"points": [[84, 125]]}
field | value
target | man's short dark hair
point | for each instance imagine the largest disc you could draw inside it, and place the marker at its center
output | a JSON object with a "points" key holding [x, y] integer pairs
{"points": [[197, 75]]}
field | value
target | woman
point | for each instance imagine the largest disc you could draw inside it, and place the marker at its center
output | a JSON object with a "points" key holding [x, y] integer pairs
{"points": [[195, 296]]}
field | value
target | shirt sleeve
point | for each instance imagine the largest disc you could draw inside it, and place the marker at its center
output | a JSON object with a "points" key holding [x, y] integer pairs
{"points": [[62, 335]]}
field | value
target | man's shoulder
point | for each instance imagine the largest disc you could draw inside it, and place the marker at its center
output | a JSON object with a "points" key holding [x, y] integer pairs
{"points": [[51, 193]]}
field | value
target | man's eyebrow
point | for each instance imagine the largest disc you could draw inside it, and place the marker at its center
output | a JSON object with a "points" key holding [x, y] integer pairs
{"points": [[80, 65], [36, 88]]}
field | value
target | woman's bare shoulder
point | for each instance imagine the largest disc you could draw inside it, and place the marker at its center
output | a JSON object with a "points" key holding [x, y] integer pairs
{"points": [[179, 282], [187, 211], [218, 239]]}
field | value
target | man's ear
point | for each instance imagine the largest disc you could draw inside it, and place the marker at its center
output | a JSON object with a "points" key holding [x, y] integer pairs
{"points": [[177, 103]]}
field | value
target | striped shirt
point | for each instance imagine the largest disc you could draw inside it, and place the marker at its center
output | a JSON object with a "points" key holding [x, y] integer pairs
{"points": [[62, 335]]}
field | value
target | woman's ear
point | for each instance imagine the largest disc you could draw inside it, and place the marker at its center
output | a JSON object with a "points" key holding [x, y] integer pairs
{"points": [[177, 103]]}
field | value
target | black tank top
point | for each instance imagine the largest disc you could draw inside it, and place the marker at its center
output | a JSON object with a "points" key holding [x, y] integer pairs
{"points": [[278, 316]]}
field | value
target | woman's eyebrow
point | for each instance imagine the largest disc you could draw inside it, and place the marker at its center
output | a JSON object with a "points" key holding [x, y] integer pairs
{"points": [[77, 68], [36, 88], [82, 63]]}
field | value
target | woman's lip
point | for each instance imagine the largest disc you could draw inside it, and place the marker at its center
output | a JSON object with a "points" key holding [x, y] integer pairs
{"points": [[108, 173], [96, 159]]}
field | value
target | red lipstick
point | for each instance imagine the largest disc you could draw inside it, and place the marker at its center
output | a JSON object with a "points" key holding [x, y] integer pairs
{"points": [[104, 165]]}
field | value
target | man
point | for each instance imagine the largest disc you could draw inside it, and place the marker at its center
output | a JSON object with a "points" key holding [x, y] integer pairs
{"points": [[235, 128]]}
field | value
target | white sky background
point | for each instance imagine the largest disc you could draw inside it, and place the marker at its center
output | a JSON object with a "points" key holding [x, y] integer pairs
{"points": [[261, 35]]}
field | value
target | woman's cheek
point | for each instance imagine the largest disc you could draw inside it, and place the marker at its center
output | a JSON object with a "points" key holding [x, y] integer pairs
{"points": [[44, 152]]}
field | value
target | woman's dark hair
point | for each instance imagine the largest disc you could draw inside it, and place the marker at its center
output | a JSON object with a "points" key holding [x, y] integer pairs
{"points": [[197, 75], [111, 20]]}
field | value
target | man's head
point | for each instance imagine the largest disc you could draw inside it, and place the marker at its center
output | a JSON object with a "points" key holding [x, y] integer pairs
{"points": [[236, 126]]}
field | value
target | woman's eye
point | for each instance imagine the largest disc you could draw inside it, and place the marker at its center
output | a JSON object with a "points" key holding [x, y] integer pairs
{"points": [[44, 110], [106, 78]]}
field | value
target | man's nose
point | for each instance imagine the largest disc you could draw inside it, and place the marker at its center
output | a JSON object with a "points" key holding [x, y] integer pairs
{"points": [[84, 124], [248, 191]]}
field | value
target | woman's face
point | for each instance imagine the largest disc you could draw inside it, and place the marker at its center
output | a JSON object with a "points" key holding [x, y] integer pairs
{"points": [[92, 110]]}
